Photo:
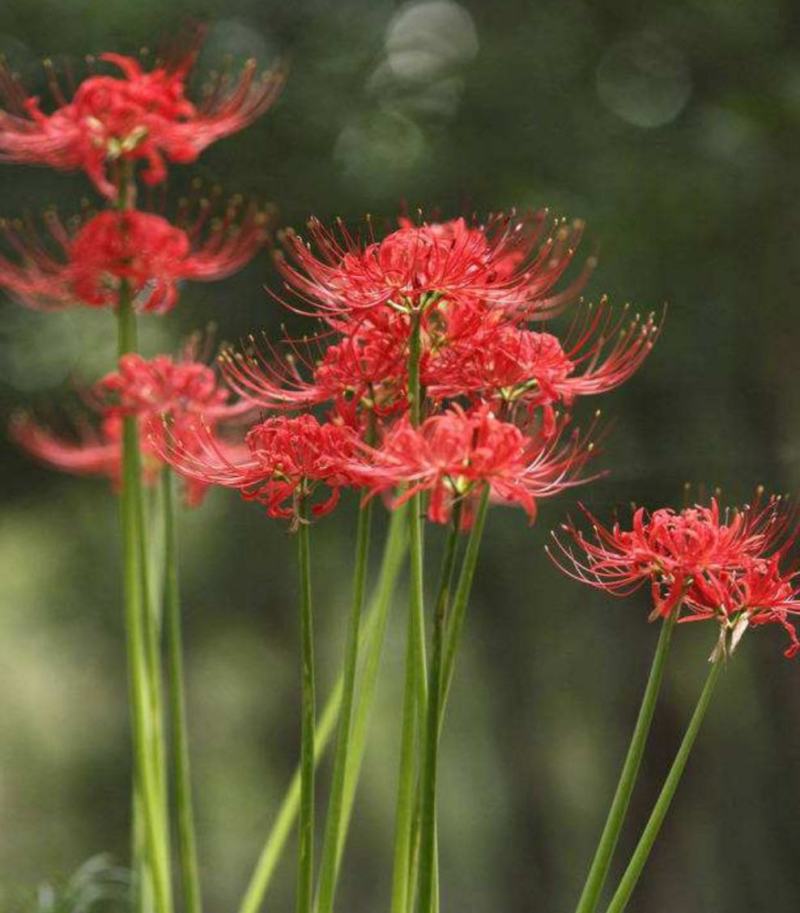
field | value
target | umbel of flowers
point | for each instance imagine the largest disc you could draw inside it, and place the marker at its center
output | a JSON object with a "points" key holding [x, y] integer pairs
{"points": [[433, 381], [121, 126], [702, 564]]}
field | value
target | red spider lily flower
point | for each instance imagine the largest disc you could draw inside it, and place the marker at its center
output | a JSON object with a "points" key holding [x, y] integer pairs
{"points": [[756, 593], [506, 262], [167, 388], [287, 459], [676, 551], [89, 451], [135, 115], [454, 454], [159, 392], [95, 450], [514, 365], [365, 372], [87, 264]]}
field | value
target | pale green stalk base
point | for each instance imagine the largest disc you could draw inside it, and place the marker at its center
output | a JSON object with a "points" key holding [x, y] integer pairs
{"points": [[631, 876], [187, 845], [598, 872], [404, 816], [396, 546], [329, 865], [428, 862], [305, 858], [145, 728]]}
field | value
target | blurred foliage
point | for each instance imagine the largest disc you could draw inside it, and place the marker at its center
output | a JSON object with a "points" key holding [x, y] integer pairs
{"points": [[673, 129], [98, 886]]}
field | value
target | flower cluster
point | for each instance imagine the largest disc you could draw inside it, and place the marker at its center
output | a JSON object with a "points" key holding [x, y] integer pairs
{"points": [[441, 312], [88, 263], [129, 116], [286, 461], [701, 563], [168, 397]]}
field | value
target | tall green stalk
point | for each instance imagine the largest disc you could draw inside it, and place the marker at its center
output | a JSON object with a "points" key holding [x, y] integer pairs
{"points": [[372, 637], [394, 554], [415, 697], [427, 847], [305, 861], [631, 875], [329, 864], [598, 872], [461, 599], [187, 845], [146, 777]]}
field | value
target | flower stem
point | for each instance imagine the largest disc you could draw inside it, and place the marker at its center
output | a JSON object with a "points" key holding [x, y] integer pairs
{"points": [[427, 851], [461, 599], [415, 697], [305, 862], [394, 553], [146, 778], [333, 833], [631, 876], [598, 872], [187, 846], [372, 635]]}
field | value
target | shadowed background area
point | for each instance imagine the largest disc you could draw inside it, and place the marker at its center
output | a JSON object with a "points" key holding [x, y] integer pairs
{"points": [[672, 128]]}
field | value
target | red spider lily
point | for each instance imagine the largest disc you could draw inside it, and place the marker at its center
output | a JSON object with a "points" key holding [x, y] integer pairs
{"points": [[136, 115], [89, 451], [515, 365], [756, 593], [679, 553], [287, 459], [507, 262], [165, 387], [95, 450], [87, 264], [454, 454], [363, 372], [159, 392]]}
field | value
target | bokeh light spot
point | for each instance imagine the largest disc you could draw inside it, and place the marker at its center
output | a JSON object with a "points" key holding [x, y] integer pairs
{"points": [[644, 81]]}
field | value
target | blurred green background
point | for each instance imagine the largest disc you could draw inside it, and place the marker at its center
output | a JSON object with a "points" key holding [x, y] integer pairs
{"points": [[673, 129]]}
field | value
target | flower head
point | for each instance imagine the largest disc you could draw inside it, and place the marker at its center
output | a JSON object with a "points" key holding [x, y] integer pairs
{"points": [[700, 562], [507, 262], [757, 592], [454, 454], [358, 373], [166, 387], [286, 460], [134, 114], [161, 393], [512, 365], [88, 263]]}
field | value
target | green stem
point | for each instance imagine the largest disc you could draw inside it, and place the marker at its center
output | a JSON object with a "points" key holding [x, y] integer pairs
{"points": [[404, 814], [305, 861], [396, 545], [141, 886], [415, 697], [145, 773], [461, 599], [427, 855], [187, 846], [631, 876], [372, 636], [333, 836], [151, 615], [598, 872]]}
